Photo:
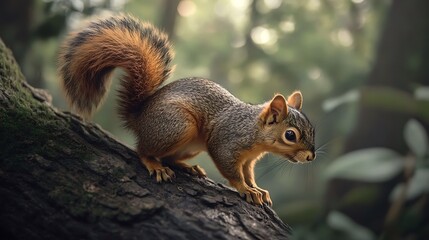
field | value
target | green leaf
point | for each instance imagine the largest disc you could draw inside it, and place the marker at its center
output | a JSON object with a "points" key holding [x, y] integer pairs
{"points": [[422, 93], [369, 165], [416, 138], [419, 184], [333, 103], [341, 222], [360, 196]]}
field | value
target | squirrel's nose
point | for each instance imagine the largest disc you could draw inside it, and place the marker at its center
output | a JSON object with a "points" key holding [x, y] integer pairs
{"points": [[311, 156]]}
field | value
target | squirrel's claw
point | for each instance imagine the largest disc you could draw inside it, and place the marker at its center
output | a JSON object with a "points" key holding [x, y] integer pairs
{"points": [[193, 170], [265, 196], [164, 174], [256, 196], [252, 195], [197, 171]]}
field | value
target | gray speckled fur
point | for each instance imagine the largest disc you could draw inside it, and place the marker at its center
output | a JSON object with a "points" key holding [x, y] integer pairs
{"points": [[219, 110], [216, 107]]}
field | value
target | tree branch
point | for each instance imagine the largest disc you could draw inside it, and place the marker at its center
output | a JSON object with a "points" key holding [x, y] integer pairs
{"points": [[62, 178]]}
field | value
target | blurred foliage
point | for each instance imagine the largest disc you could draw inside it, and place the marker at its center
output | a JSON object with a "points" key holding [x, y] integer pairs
{"points": [[405, 204], [255, 48]]}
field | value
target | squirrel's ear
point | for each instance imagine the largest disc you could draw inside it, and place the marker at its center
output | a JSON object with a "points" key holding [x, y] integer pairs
{"points": [[275, 110], [295, 100]]}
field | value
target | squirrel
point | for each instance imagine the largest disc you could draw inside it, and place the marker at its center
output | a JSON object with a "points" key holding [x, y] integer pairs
{"points": [[177, 121]]}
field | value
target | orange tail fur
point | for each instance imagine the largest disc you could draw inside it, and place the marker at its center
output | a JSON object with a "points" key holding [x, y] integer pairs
{"points": [[89, 56]]}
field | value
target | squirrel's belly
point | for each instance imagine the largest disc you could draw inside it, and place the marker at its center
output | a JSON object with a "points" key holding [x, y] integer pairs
{"points": [[191, 149]]}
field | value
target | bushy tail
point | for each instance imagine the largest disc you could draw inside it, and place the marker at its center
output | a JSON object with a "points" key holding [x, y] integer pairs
{"points": [[89, 56]]}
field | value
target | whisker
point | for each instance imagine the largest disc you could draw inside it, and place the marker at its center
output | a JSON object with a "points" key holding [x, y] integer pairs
{"points": [[276, 164], [267, 164], [307, 183], [318, 154], [280, 167], [289, 169], [325, 144], [284, 167]]}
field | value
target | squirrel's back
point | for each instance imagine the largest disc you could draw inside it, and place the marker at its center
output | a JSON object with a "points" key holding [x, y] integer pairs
{"points": [[89, 56]]}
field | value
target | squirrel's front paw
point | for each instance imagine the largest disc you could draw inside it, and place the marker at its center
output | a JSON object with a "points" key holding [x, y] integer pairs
{"points": [[257, 196], [265, 196], [252, 195], [162, 174]]}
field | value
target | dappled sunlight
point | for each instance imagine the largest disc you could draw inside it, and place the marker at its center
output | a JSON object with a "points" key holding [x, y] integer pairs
{"points": [[186, 8], [287, 26]]}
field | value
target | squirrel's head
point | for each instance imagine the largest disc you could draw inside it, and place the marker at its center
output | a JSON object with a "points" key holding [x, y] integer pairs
{"points": [[286, 130]]}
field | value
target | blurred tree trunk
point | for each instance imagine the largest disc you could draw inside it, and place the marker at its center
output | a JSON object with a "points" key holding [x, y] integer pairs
{"points": [[61, 178], [17, 31], [402, 62], [169, 17], [15, 28]]}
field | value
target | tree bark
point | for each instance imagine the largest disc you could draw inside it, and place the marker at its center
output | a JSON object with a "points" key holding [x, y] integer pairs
{"points": [[62, 178]]}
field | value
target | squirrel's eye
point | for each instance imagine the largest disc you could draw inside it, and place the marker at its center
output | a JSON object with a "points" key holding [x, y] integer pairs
{"points": [[290, 135]]}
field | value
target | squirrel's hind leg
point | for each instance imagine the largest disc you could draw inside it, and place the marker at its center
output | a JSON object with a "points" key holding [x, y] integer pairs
{"points": [[154, 166], [195, 170], [170, 135], [178, 161]]}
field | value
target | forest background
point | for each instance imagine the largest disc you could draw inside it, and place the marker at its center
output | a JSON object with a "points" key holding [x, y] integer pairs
{"points": [[363, 68]]}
